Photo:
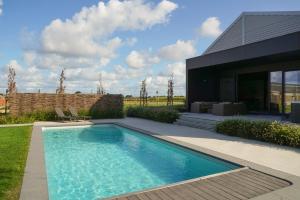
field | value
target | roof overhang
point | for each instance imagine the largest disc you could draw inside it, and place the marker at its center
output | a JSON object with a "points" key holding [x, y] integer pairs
{"points": [[283, 47]]}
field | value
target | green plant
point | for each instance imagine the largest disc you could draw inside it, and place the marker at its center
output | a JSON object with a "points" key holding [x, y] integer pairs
{"points": [[51, 116], [28, 117], [107, 114], [274, 132], [167, 115]]}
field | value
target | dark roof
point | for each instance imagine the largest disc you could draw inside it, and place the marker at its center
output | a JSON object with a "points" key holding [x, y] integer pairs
{"points": [[252, 27], [281, 47]]}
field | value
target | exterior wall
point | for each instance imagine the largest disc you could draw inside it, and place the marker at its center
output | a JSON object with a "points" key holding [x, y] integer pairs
{"points": [[202, 85], [22, 103], [222, 84]]}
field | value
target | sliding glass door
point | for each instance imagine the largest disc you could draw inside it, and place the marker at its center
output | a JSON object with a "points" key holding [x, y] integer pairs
{"points": [[276, 92], [291, 89]]}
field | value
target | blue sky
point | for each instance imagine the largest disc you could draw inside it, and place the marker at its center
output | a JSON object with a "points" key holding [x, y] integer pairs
{"points": [[125, 41]]}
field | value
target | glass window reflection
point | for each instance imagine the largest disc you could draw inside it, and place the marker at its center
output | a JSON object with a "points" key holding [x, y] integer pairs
{"points": [[292, 89]]}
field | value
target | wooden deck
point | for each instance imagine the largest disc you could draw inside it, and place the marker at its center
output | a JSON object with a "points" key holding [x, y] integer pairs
{"points": [[237, 185]]}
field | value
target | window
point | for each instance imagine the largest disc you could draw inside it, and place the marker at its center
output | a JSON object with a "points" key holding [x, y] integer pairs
{"points": [[276, 92], [292, 89]]}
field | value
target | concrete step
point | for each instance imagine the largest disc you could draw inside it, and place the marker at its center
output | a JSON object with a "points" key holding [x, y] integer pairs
{"points": [[196, 123], [207, 121]]}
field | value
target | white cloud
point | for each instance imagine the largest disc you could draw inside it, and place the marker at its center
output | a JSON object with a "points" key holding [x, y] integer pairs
{"points": [[56, 61], [210, 27], [86, 33], [179, 51], [27, 79], [177, 69], [1, 7], [87, 42], [141, 59]]}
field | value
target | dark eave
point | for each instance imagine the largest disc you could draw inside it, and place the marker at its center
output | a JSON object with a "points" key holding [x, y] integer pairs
{"points": [[281, 46]]}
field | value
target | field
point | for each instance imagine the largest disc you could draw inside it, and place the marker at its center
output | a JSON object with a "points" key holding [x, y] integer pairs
{"points": [[14, 143], [154, 101]]}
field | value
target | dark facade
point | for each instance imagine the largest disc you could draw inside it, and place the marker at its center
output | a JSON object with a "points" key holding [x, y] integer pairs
{"points": [[264, 74]]}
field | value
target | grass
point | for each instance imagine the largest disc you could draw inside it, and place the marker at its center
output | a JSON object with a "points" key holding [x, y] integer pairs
{"points": [[153, 101], [14, 144], [160, 102]]}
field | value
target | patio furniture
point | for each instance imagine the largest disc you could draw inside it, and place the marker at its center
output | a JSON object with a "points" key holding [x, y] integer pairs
{"points": [[202, 107], [295, 112], [61, 115], [206, 107], [195, 107], [223, 109], [74, 114]]}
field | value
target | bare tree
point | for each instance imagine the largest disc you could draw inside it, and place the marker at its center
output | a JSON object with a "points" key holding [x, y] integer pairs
{"points": [[100, 88], [11, 83], [143, 94], [170, 91], [61, 88]]}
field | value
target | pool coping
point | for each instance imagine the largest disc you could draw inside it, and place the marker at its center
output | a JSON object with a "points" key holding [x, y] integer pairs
{"points": [[35, 178]]}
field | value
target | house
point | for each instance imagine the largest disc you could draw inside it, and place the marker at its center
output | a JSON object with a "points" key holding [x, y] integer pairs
{"points": [[2, 101], [256, 60]]}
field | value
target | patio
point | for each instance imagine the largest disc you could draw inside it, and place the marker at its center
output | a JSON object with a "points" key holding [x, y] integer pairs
{"points": [[208, 116], [208, 121]]}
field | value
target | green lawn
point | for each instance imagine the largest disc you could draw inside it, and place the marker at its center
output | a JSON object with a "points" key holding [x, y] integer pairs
{"points": [[14, 143]]}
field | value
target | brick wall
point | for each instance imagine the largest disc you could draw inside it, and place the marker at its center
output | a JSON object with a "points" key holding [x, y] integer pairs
{"points": [[22, 103]]}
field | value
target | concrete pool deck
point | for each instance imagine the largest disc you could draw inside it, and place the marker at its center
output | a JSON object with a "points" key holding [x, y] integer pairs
{"points": [[283, 162]]}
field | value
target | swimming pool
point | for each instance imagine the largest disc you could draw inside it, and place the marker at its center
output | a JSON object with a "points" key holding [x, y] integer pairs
{"points": [[100, 161]]}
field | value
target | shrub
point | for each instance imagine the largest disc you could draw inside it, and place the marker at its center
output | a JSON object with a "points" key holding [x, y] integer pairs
{"points": [[51, 115], [167, 115], [106, 114], [274, 132], [27, 118]]}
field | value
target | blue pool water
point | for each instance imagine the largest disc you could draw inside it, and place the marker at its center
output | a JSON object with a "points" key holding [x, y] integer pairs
{"points": [[105, 160]]}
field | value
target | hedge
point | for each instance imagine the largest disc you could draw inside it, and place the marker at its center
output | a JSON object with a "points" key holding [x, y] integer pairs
{"points": [[167, 115], [51, 116], [27, 118], [105, 114], [267, 131]]}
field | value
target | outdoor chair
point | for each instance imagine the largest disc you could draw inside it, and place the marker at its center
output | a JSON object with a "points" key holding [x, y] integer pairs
{"points": [[74, 114], [202, 107], [61, 115], [295, 112], [195, 107]]}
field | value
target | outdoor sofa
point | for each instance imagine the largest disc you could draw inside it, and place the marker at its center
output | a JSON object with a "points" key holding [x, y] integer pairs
{"points": [[229, 109], [202, 107], [221, 109]]}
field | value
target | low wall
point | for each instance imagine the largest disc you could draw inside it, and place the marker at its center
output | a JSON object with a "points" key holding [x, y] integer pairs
{"points": [[22, 103]]}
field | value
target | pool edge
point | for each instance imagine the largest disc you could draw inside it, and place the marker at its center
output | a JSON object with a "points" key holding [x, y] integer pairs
{"points": [[35, 182], [34, 185]]}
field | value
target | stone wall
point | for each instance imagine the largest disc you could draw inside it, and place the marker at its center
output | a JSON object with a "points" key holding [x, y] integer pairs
{"points": [[22, 103]]}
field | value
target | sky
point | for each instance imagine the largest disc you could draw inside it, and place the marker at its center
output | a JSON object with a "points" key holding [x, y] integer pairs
{"points": [[124, 41]]}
